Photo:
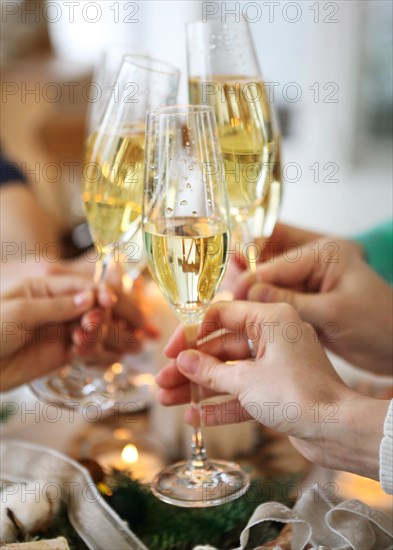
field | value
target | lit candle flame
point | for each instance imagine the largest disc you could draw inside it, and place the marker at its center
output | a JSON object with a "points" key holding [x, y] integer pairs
{"points": [[129, 454]]}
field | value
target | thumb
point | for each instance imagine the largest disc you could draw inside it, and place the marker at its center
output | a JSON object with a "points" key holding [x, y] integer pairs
{"points": [[208, 371], [307, 305]]}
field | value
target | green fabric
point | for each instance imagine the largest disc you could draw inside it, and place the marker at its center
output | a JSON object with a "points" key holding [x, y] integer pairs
{"points": [[378, 246]]}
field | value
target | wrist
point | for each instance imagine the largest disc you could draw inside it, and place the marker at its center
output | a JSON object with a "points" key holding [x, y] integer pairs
{"points": [[352, 443]]}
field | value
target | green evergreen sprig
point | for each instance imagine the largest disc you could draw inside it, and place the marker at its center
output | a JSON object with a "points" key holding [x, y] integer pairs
{"points": [[161, 526], [167, 527]]}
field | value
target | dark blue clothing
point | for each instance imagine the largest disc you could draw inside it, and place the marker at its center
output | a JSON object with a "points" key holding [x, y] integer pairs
{"points": [[10, 171]]}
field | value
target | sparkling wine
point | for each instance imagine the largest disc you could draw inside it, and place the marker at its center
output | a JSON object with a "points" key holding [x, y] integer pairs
{"points": [[187, 259], [113, 185], [247, 142], [266, 214]]}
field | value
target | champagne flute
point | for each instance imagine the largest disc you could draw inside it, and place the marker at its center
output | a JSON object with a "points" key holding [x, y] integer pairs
{"points": [[186, 235], [112, 196], [104, 78], [224, 72]]}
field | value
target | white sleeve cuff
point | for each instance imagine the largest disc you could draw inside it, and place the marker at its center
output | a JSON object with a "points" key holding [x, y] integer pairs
{"points": [[386, 453]]}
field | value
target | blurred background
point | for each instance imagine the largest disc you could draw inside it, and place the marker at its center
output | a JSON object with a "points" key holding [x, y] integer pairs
{"points": [[328, 66]]}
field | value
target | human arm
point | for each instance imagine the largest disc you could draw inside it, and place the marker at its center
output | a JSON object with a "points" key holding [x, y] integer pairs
{"points": [[25, 225]]}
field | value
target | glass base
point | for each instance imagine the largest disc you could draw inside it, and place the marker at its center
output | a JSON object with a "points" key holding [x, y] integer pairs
{"points": [[76, 385], [218, 483], [73, 386]]}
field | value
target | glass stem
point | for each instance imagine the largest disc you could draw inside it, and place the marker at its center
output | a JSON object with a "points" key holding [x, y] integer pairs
{"points": [[99, 279], [101, 268], [199, 458], [247, 239]]}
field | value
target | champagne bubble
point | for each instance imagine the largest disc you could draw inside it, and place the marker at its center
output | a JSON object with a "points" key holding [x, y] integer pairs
{"points": [[189, 186], [183, 203], [152, 166], [169, 210], [194, 213], [209, 202], [191, 167]]}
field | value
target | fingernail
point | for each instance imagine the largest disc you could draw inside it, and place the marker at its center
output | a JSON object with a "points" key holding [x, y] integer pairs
{"points": [[83, 298], [188, 361]]}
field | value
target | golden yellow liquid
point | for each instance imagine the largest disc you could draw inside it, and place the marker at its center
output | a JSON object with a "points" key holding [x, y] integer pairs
{"points": [[113, 185], [187, 259], [266, 214], [246, 137]]}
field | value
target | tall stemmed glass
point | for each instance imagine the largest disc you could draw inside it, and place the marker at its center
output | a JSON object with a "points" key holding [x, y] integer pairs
{"points": [[112, 196], [223, 71], [186, 234], [104, 78]]}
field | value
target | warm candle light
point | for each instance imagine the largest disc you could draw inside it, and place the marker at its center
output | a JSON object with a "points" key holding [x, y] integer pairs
{"points": [[144, 379], [369, 491], [130, 454], [142, 463], [117, 368], [122, 434], [127, 282], [108, 376]]}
